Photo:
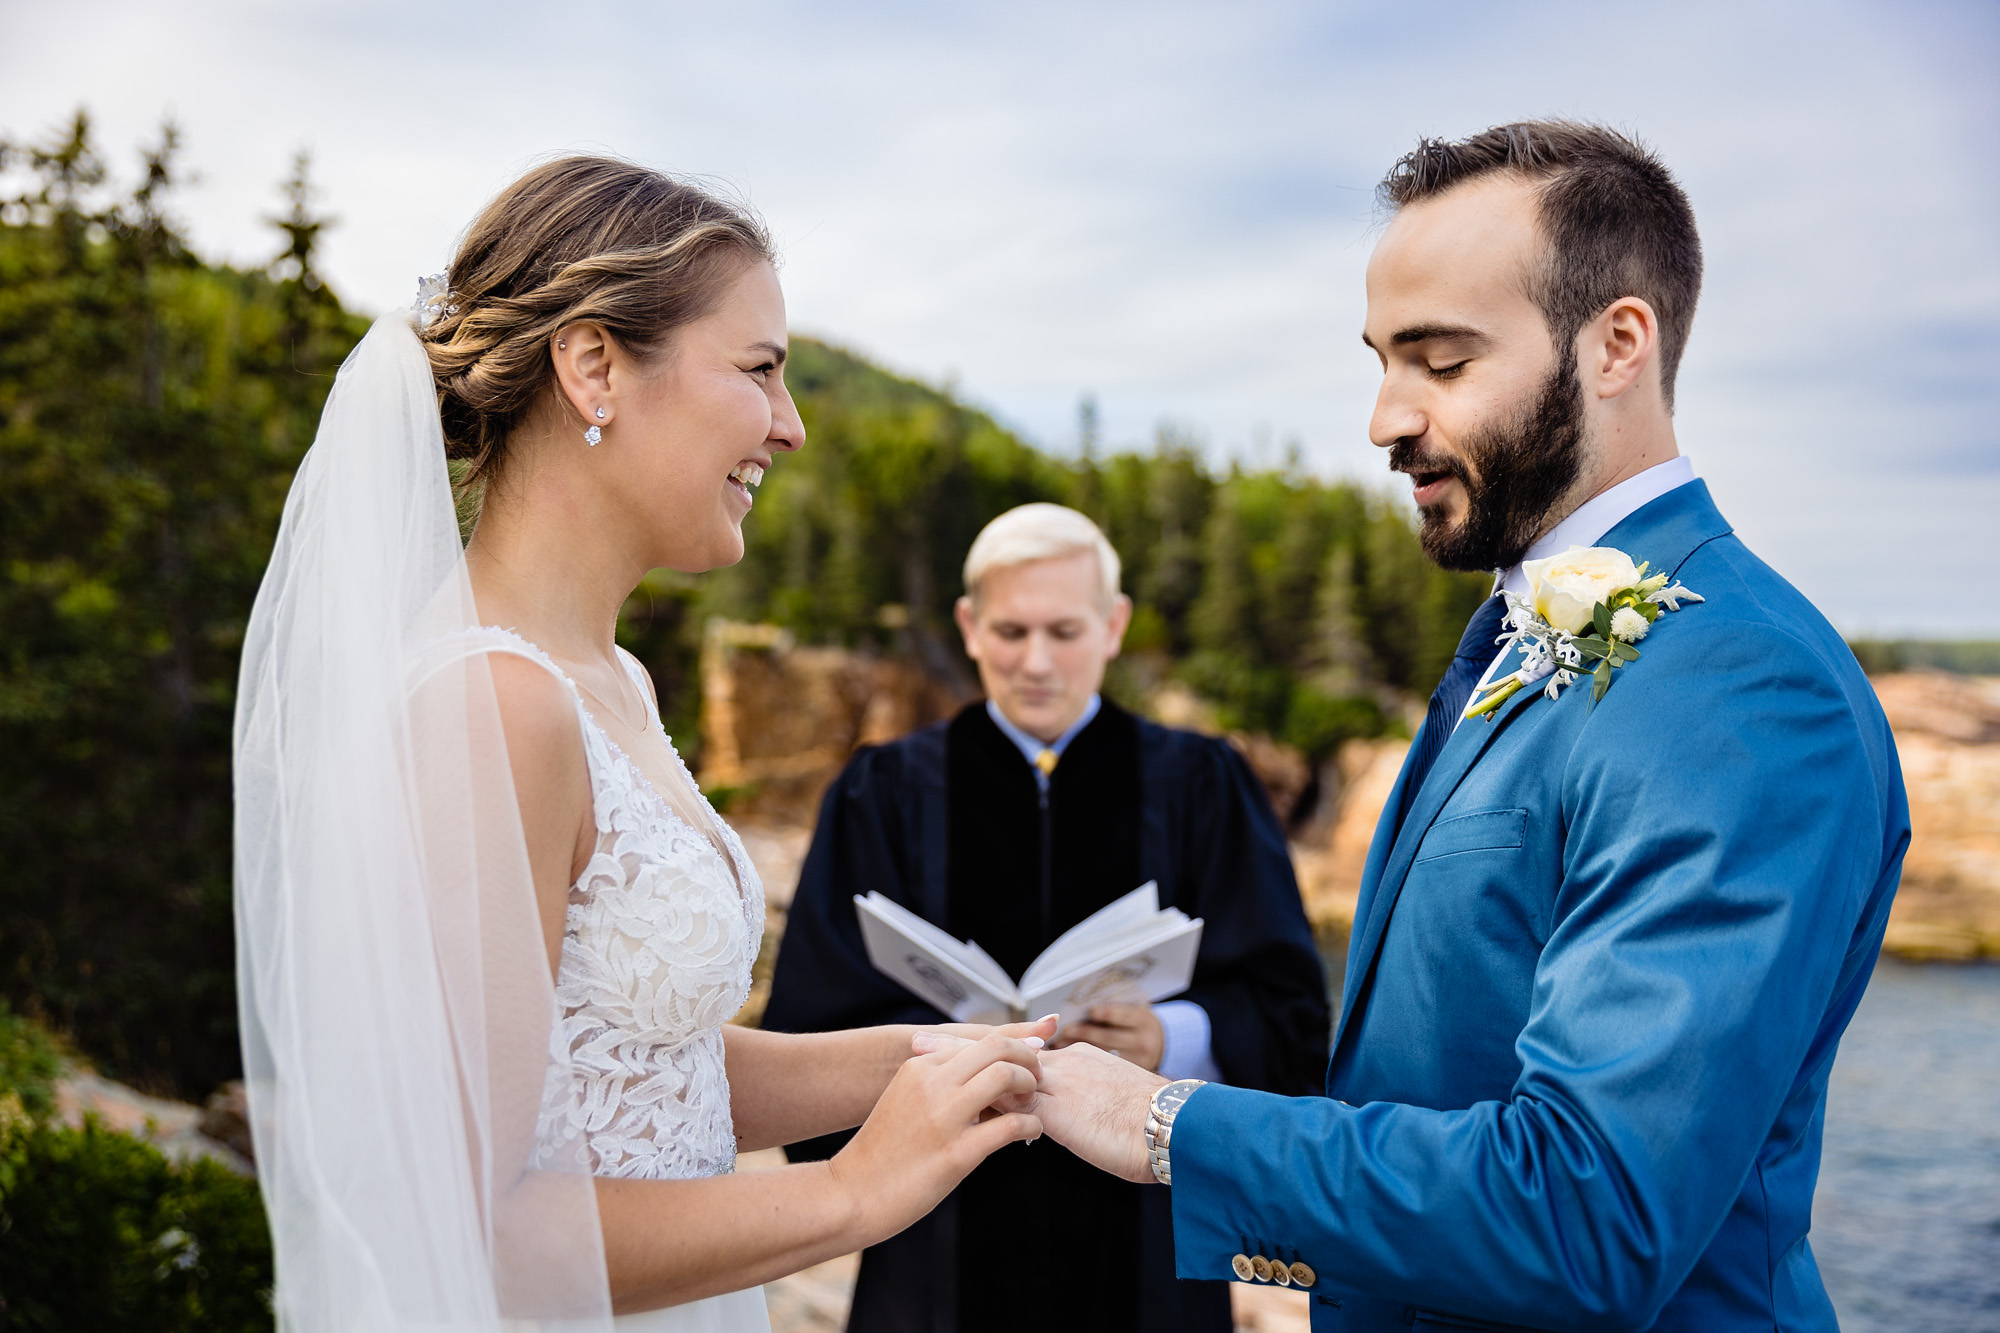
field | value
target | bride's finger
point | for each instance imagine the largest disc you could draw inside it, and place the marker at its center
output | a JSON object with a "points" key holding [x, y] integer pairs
{"points": [[963, 1056], [1044, 1027], [993, 1083], [1016, 1127], [927, 1042], [1025, 1052]]}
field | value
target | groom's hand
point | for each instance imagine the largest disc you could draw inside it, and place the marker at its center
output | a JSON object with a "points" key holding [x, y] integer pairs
{"points": [[1094, 1104]]}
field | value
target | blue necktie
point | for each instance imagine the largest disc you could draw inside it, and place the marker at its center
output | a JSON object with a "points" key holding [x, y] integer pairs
{"points": [[1476, 652]]}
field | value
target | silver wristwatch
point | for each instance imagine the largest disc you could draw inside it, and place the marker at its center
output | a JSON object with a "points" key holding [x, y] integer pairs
{"points": [[1166, 1104]]}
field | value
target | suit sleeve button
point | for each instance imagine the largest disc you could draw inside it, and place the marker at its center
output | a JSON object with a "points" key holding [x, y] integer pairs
{"points": [[1281, 1274], [1243, 1268], [1303, 1275], [1261, 1266]]}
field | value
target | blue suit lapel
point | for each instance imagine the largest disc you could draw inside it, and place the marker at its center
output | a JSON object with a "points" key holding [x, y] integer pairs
{"points": [[1665, 533]]}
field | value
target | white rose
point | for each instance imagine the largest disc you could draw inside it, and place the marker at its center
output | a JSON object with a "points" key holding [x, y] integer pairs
{"points": [[1565, 587]]}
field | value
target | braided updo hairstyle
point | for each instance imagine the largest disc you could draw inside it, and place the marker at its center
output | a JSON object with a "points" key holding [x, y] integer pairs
{"points": [[580, 238]]}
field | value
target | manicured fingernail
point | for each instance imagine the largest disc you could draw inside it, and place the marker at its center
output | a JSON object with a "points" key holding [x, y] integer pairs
{"points": [[1035, 1042], [1048, 1018], [923, 1041]]}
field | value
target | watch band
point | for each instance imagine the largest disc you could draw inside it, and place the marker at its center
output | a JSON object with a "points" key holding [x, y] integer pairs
{"points": [[1160, 1113]]}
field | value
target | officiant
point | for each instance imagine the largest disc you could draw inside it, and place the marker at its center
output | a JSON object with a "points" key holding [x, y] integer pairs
{"points": [[1007, 825]]}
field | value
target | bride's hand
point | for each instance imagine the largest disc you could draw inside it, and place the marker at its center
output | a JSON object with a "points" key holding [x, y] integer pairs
{"points": [[1042, 1029], [936, 1121]]}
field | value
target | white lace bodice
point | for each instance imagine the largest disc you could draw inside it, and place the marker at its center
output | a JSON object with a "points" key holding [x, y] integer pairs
{"points": [[658, 943]]}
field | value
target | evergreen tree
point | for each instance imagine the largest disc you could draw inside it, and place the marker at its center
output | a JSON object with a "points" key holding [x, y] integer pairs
{"points": [[150, 418]]}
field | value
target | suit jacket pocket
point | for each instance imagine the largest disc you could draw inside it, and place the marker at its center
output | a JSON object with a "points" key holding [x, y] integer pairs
{"points": [[1479, 831]]}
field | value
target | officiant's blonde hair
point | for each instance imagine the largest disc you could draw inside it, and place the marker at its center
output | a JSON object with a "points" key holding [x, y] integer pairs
{"points": [[1040, 532]]}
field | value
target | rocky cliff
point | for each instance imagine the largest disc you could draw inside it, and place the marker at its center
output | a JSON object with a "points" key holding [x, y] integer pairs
{"points": [[779, 721], [1948, 737]]}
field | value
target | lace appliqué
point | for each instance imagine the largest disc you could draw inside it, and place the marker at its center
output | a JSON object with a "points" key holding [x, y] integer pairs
{"points": [[658, 944]]}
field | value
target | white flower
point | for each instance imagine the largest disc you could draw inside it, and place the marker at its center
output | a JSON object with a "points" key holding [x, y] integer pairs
{"points": [[1629, 625], [1565, 587]]}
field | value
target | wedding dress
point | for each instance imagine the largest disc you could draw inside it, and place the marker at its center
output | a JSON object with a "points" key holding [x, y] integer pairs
{"points": [[658, 943]]}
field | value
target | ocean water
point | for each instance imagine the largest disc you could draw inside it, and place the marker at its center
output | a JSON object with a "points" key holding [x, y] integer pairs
{"points": [[1906, 1223]]}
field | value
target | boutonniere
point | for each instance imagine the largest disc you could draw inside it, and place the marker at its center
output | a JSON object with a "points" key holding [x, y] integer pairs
{"points": [[1584, 610]]}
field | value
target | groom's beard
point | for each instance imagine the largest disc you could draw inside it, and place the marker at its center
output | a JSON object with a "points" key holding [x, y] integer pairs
{"points": [[1527, 467]]}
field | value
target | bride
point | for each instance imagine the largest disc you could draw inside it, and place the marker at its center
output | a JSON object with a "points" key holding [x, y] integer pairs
{"points": [[489, 931]]}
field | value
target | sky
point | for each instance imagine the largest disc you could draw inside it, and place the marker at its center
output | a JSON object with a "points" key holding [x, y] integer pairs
{"points": [[1170, 206]]}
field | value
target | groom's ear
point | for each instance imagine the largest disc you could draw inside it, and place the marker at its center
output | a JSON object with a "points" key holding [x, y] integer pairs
{"points": [[583, 354], [1619, 347]]}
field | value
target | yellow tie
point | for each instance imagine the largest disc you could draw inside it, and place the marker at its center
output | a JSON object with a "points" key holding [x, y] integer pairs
{"points": [[1046, 761]]}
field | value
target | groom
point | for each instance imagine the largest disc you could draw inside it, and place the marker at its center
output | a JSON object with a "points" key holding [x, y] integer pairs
{"points": [[1604, 952]]}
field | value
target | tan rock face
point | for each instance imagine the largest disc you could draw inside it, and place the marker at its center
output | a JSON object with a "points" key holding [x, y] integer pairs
{"points": [[1948, 738], [779, 722], [1329, 867]]}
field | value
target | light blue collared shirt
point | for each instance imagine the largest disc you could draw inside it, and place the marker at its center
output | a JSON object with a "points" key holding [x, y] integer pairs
{"points": [[1183, 1023], [1030, 746]]}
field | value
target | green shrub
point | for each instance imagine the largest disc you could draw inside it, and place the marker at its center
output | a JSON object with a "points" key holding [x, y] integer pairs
{"points": [[98, 1230], [30, 1063]]}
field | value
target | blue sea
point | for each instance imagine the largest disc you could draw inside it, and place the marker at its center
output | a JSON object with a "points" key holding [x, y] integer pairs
{"points": [[1906, 1223]]}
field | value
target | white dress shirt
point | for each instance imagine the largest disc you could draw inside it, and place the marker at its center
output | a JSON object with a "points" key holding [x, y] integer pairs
{"points": [[1588, 524], [1184, 1025]]}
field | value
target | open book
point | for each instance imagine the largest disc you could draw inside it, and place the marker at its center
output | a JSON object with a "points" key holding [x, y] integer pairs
{"points": [[1129, 950]]}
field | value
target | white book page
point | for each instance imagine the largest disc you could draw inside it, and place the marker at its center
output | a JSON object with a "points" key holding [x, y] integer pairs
{"points": [[1158, 970], [940, 942], [961, 981], [1086, 955], [1111, 921]]}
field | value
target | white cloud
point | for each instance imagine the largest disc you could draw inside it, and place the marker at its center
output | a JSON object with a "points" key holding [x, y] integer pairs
{"points": [[1169, 205]]}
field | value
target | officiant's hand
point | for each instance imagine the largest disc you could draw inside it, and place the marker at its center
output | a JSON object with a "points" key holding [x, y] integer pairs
{"points": [[1095, 1105], [1130, 1031]]}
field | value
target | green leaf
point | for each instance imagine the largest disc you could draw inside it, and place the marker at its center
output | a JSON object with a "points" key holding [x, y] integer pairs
{"points": [[1592, 647], [1600, 681], [1625, 651], [1600, 619]]}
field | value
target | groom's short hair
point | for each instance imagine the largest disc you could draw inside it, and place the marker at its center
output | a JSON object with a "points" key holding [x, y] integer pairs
{"points": [[1613, 219]]}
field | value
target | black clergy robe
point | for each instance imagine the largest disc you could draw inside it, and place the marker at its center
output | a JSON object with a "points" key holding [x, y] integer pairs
{"points": [[950, 823]]}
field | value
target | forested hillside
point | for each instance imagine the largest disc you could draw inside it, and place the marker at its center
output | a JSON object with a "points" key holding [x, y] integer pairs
{"points": [[153, 407]]}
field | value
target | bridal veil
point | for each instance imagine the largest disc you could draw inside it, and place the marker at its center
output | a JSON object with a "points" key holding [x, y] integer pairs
{"points": [[395, 992]]}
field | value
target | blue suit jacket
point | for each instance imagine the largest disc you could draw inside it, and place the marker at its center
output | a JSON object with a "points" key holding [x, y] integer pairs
{"points": [[1595, 987]]}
